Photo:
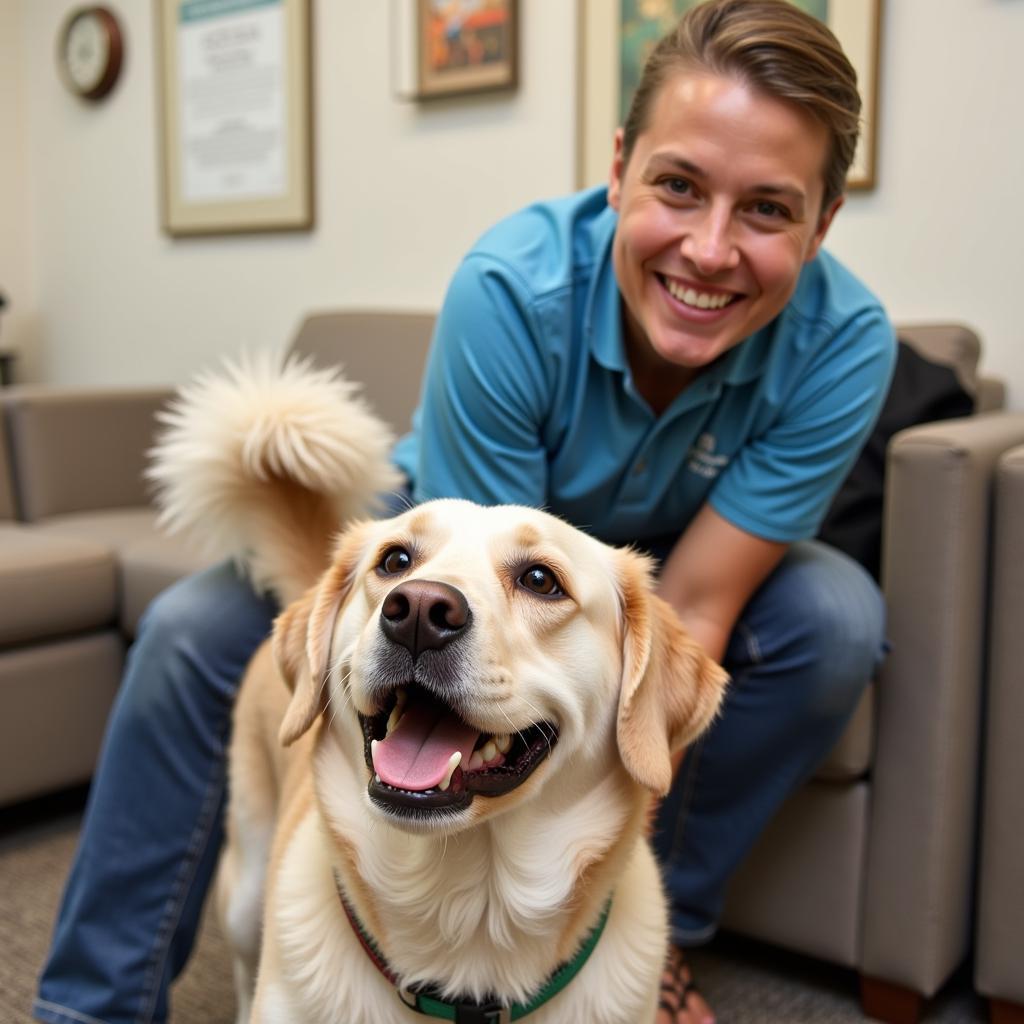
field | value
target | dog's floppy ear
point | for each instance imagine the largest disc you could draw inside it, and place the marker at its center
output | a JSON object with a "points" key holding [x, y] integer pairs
{"points": [[671, 689], [302, 640]]}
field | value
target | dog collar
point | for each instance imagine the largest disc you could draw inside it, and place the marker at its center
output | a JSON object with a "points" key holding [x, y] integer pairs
{"points": [[427, 1001]]}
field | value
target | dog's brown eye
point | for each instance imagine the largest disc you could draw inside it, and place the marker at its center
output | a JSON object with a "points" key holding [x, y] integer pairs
{"points": [[395, 560], [539, 579]]}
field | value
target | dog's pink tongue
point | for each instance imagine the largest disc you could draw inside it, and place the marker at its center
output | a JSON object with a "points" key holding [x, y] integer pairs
{"points": [[415, 755]]}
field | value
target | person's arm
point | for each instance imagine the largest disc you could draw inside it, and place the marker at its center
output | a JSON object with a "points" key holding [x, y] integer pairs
{"points": [[711, 574]]}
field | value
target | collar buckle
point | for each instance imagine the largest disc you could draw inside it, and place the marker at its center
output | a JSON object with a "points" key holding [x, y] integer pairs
{"points": [[465, 1013], [482, 1013]]}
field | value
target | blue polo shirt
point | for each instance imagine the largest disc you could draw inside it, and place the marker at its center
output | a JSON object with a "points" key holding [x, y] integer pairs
{"points": [[528, 396]]}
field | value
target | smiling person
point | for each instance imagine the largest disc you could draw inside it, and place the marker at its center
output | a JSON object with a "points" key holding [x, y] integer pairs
{"points": [[672, 362], [676, 363]]}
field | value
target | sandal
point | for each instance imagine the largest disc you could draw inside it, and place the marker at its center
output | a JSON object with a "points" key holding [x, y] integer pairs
{"points": [[677, 983]]}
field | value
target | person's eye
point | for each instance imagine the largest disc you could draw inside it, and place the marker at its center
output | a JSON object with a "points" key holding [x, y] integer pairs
{"points": [[766, 208], [394, 561], [677, 186], [541, 580]]}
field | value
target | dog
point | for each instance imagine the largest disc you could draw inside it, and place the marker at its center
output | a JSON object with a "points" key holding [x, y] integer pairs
{"points": [[444, 759]]}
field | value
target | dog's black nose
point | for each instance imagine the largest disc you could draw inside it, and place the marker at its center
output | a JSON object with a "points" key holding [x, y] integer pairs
{"points": [[424, 615]]}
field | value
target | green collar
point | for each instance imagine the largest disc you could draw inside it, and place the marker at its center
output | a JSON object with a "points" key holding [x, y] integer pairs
{"points": [[426, 1001]]}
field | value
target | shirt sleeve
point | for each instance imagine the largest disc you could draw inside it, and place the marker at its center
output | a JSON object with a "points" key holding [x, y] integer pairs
{"points": [[780, 485], [485, 394]]}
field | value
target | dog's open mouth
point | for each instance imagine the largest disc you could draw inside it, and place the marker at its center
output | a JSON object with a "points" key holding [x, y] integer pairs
{"points": [[423, 757]]}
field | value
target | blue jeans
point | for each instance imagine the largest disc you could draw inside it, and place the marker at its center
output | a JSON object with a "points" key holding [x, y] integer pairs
{"points": [[799, 658], [805, 646]]}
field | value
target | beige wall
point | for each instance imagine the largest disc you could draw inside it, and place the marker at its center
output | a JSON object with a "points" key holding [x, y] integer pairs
{"points": [[402, 190], [17, 327], [943, 235]]}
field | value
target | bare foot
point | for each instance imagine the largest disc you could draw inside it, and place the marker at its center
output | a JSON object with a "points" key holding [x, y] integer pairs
{"points": [[680, 1002]]}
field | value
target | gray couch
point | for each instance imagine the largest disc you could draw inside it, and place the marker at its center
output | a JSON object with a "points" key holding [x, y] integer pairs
{"points": [[999, 964], [869, 866], [80, 559]]}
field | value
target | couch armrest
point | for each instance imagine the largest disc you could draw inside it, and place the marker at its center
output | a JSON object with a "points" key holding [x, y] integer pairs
{"points": [[75, 450], [998, 971], [935, 577]]}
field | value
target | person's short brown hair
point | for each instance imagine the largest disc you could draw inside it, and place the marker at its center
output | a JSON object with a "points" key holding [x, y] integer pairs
{"points": [[775, 48]]}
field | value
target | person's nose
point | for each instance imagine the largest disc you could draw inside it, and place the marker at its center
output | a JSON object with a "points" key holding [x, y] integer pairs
{"points": [[709, 243]]}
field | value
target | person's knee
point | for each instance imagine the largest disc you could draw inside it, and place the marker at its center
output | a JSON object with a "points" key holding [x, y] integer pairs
{"points": [[196, 635], [842, 631], [193, 608]]}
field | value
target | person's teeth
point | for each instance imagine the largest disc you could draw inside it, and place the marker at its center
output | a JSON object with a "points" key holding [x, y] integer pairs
{"points": [[453, 763], [503, 743], [700, 300]]}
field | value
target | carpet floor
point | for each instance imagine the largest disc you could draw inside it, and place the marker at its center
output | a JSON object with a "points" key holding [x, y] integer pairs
{"points": [[746, 983]]}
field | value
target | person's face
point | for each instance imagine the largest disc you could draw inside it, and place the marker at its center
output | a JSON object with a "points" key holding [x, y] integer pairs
{"points": [[719, 207]]}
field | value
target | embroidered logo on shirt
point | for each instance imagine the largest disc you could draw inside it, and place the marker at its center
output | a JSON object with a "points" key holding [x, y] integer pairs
{"points": [[703, 460]]}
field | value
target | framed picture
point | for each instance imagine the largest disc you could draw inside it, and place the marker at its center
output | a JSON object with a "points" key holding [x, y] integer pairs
{"points": [[615, 37], [235, 115], [455, 47]]}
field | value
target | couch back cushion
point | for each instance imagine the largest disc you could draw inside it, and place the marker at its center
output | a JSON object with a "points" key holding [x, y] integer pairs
{"points": [[952, 345], [74, 450], [384, 352]]}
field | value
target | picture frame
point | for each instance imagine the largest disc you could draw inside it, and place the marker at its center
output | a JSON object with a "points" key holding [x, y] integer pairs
{"points": [[235, 116], [447, 48], [856, 23]]}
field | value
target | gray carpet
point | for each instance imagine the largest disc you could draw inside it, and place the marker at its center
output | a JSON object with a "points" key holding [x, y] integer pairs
{"points": [[746, 983]]}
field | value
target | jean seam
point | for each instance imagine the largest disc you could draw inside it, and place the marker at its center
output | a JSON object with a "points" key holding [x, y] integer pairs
{"points": [[66, 1012], [176, 901]]}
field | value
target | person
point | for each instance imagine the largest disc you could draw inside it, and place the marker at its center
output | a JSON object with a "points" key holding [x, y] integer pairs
{"points": [[672, 362]]}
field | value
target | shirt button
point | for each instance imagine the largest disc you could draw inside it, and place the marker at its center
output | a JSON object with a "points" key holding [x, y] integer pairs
{"points": [[640, 467]]}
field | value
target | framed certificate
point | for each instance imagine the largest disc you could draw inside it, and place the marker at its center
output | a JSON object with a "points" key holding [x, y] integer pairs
{"points": [[235, 115]]}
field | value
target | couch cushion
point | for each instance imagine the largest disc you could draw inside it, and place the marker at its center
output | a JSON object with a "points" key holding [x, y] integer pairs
{"points": [[149, 565], [384, 351], [56, 699], [952, 345], [114, 528], [147, 559], [75, 449], [850, 758], [51, 586]]}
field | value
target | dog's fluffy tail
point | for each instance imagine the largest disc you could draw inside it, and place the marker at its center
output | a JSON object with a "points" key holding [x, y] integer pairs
{"points": [[263, 462]]}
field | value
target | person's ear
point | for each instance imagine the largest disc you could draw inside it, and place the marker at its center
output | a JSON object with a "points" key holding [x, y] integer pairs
{"points": [[618, 169], [824, 223]]}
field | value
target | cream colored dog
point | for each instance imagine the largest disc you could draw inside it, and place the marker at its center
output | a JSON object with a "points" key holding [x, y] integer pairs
{"points": [[443, 763]]}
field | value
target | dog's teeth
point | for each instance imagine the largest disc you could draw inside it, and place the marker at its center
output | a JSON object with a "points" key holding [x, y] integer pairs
{"points": [[503, 743], [476, 761], [397, 711], [374, 744], [453, 763], [488, 751]]}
